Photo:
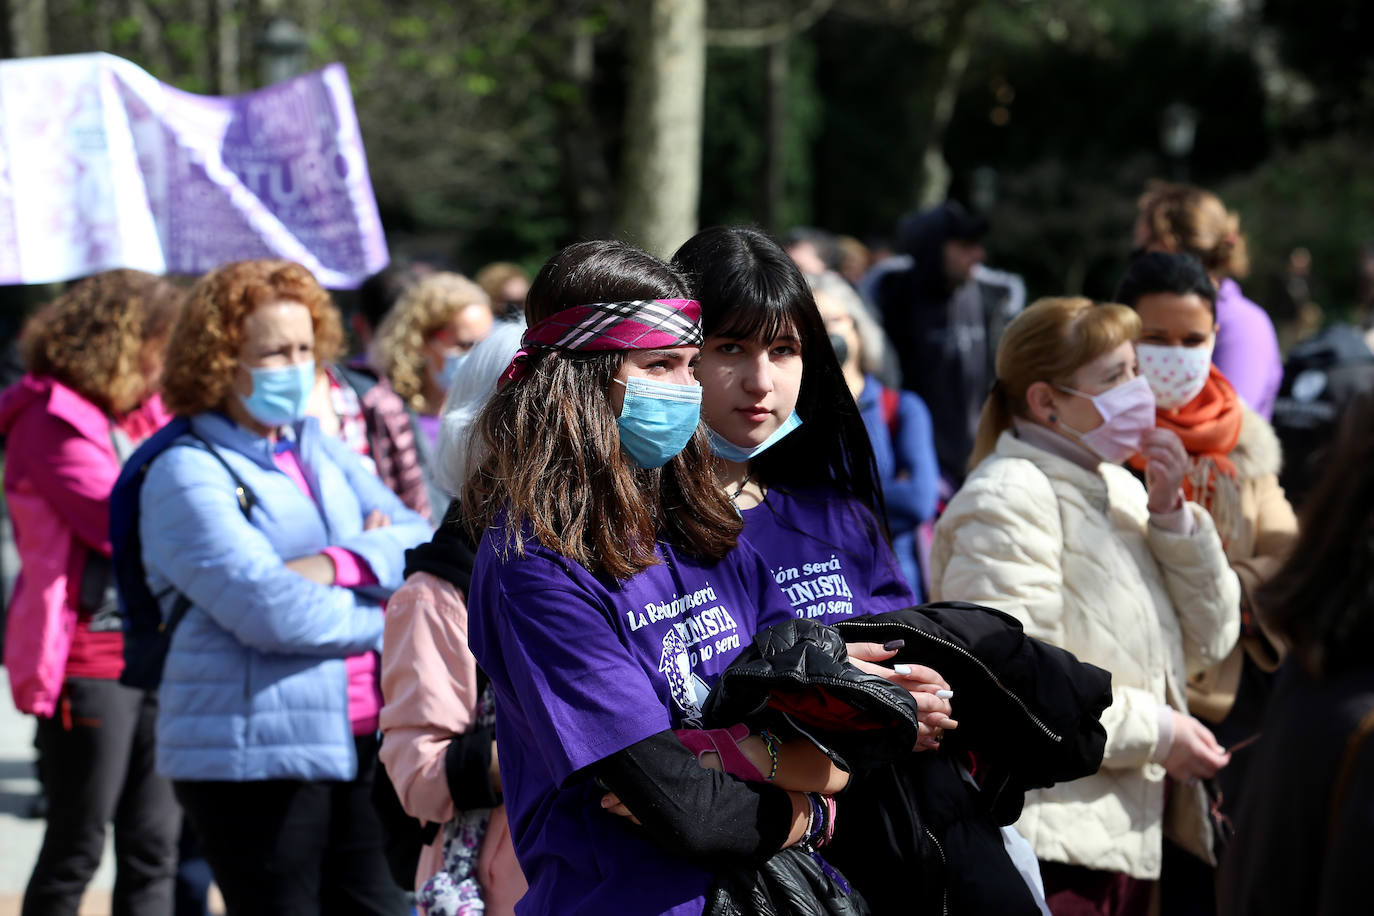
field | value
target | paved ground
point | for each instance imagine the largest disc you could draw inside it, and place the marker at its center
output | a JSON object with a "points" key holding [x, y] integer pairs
{"points": [[20, 837]]}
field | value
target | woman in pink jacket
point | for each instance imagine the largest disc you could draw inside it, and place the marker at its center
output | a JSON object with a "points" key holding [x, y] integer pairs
{"points": [[92, 358], [438, 743]]}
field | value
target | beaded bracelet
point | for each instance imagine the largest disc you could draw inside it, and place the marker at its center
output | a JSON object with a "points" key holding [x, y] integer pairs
{"points": [[829, 820], [770, 744], [815, 824]]}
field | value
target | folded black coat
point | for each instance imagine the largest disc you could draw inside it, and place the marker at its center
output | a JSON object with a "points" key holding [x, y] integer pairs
{"points": [[795, 679], [915, 837]]}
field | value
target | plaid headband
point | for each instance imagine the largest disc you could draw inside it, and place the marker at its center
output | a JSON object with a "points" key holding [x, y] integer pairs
{"points": [[640, 324]]}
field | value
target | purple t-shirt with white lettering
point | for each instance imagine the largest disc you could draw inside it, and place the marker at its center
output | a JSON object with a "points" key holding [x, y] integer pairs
{"points": [[584, 666], [827, 553]]}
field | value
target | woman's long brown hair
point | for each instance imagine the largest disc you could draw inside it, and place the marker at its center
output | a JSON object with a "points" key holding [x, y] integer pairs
{"points": [[1322, 599], [553, 469]]}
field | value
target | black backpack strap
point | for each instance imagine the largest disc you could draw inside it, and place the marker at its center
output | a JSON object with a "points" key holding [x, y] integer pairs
{"points": [[179, 609], [247, 499]]}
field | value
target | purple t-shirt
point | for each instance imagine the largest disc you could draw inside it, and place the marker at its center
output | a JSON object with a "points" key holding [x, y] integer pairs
{"points": [[1247, 349], [584, 666], [827, 554]]}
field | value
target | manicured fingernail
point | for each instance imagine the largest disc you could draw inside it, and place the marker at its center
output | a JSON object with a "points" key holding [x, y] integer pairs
{"points": [[945, 694], [893, 645], [902, 669]]}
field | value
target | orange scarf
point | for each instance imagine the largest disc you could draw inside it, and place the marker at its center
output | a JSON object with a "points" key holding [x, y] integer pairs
{"points": [[1209, 426]]}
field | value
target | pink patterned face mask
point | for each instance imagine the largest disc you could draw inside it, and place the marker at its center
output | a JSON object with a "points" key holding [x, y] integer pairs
{"points": [[1176, 374], [1127, 412]]}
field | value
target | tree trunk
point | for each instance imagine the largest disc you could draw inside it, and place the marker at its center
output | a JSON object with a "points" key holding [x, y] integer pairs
{"points": [[226, 30], [932, 181], [775, 166], [588, 190], [150, 46], [661, 172], [27, 23]]}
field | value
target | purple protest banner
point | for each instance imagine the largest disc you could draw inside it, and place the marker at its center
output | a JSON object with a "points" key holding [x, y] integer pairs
{"points": [[103, 166]]}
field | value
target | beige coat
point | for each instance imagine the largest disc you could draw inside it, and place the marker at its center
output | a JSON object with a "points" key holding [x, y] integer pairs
{"points": [[429, 682], [1071, 553], [1256, 545]]}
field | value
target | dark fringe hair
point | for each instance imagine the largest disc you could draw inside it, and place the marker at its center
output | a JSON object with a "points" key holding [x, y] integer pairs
{"points": [[751, 290], [554, 470]]}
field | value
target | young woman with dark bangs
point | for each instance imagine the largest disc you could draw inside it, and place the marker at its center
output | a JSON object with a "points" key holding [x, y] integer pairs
{"points": [[603, 540], [793, 455], [791, 451]]}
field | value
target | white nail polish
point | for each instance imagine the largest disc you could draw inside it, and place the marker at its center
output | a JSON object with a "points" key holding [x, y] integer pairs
{"points": [[945, 694], [902, 669]]}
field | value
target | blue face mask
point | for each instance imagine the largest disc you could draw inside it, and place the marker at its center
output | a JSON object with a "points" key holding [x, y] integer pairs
{"points": [[280, 393], [722, 447], [657, 420], [445, 376]]}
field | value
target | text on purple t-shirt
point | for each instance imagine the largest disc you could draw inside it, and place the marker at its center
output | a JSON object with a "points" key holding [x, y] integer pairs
{"points": [[827, 554], [584, 666]]}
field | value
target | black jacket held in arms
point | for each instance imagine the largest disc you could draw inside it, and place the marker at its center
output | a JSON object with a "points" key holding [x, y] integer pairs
{"points": [[795, 679], [915, 836]]}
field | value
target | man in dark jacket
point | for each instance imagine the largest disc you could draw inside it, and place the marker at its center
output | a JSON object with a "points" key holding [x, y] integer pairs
{"points": [[944, 314]]}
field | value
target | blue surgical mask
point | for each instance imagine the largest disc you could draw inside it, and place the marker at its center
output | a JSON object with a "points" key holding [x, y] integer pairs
{"points": [[722, 447], [657, 420], [445, 376], [280, 393]]}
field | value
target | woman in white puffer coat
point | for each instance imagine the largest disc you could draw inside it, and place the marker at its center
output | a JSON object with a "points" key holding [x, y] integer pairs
{"points": [[1053, 530]]}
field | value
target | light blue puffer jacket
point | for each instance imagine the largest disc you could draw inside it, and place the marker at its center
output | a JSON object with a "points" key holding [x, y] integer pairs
{"points": [[254, 686]]}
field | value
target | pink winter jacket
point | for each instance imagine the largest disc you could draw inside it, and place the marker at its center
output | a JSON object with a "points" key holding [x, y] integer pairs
{"points": [[429, 682], [60, 466]]}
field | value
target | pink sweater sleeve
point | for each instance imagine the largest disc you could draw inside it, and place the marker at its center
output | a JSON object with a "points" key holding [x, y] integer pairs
{"points": [[350, 570], [429, 686]]}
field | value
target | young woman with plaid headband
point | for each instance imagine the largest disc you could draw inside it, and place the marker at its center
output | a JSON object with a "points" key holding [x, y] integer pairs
{"points": [[606, 554]]}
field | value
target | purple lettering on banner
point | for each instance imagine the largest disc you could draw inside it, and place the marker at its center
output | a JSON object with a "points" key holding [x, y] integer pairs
{"points": [[182, 183]]}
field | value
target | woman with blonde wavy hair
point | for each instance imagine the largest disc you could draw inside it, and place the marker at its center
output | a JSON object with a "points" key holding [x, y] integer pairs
{"points": [[1051, 529], [1183, 219], [423, 340], [93, 358]]}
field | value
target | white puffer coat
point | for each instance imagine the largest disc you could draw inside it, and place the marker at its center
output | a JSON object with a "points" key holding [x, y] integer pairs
{"points": [[1071, 553]]}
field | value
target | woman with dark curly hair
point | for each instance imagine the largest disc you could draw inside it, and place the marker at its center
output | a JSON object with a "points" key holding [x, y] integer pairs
{"points": [[92, 357], [269, 692]]}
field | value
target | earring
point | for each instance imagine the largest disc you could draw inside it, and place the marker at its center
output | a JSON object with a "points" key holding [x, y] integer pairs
{"points": [[1054, 418]]}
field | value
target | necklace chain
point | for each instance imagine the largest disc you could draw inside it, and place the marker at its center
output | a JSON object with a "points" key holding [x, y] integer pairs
{"points": [[734, 497]]}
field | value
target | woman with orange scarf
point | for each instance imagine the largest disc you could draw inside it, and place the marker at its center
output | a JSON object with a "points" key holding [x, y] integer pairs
{"points": [[1233, 465]]}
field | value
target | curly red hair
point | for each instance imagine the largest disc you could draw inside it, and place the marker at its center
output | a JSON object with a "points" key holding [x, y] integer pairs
{"points": [[203, 353]]}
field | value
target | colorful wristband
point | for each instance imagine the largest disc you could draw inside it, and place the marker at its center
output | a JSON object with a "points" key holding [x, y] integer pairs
{"points": [[770, 743]]}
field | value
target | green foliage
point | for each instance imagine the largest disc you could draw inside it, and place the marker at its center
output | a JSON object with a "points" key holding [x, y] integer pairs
{"points": [[1327, 42], [734, 144], [1320, 197]]}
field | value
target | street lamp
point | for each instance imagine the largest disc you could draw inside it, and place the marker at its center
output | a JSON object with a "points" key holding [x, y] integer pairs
{"points": [[1177, 131], [281, 51]]}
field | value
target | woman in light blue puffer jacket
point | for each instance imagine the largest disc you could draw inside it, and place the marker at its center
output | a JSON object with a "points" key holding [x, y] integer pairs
{"points": [[269, 695]]}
